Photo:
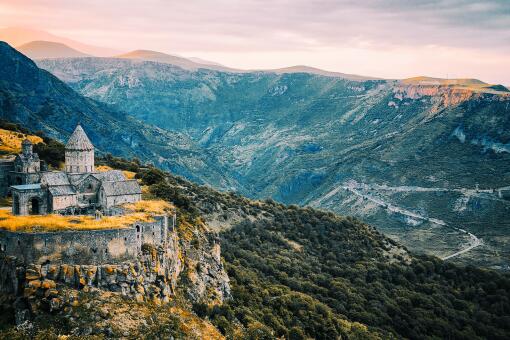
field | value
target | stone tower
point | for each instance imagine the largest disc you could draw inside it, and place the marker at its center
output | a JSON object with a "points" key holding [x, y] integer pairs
{"points": [[79, 152], [27, 147], [26, 166]]}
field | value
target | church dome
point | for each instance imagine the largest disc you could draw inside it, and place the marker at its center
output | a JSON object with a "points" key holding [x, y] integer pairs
{"points": [[79, 140]]}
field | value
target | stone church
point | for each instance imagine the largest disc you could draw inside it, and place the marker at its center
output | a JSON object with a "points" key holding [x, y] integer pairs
{"points": [[78, 189]]}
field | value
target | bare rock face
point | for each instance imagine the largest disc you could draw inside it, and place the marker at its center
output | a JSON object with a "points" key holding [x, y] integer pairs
{"points": [[204, 278], [191, 265]]}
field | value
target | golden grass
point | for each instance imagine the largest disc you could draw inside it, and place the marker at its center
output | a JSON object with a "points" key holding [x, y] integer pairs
{"points": [[103, 168], [127, 174], [137, 212], [474, 85], [10, 141], [6, 202], [59, 223], [157, 207]]}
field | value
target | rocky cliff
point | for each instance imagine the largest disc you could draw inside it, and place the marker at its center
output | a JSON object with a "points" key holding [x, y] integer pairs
{"points": [[190, 263]]}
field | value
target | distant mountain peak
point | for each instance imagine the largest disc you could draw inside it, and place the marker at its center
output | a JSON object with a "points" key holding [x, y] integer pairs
{"points": [[185, 63], [17, 36], [472, 84], [48, 49], [318, 71]]}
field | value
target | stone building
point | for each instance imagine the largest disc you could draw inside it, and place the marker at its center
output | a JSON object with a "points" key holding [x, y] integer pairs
{"points": [[77, 189]]}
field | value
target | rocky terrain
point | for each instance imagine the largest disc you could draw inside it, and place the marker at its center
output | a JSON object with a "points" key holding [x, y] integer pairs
{"points": [[296, 137]]}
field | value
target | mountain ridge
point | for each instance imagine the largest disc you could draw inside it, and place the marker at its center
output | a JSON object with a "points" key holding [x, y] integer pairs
{"points": [[16, 36], [40, 49]]}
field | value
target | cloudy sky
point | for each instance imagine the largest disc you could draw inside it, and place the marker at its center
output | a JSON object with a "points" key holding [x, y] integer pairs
{"points": [[391, 39]]}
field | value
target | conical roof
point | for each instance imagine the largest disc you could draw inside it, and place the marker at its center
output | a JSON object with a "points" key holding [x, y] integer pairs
{"points": [[79, 140], [26, 141]]}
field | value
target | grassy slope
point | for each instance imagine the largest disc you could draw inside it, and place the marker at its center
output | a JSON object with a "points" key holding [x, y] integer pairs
{"points": [[10, 141]]}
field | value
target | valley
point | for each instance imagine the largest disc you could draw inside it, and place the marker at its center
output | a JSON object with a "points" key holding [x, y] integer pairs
{"points": [[414, 218], [296, 137]]}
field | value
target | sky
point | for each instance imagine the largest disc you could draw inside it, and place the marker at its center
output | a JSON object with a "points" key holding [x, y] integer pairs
{"points": [[388, 39]]}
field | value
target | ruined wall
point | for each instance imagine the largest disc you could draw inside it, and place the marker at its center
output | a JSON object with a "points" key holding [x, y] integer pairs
{"points": [[23, 200], [155, 232]]}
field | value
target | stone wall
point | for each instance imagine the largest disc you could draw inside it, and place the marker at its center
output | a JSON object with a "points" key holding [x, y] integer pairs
{"points": [[62, 202], [23, 201], [110, 246], [112, 201], [152, 276], [6, 166]]}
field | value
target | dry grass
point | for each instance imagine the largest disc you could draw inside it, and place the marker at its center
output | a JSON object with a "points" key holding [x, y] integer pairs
{"points": [[10, 141], [127, 174], [6, 202], [103, 168], [157, 207], [474, 85], [139, 212]]}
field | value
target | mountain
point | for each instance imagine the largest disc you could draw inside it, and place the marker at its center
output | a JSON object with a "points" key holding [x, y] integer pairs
{"points": [[204, 61], [48, 49], [406, 157], [16, 36], [193, 64], [39, 101], [471, 84], [313, 70], [184, 63]]}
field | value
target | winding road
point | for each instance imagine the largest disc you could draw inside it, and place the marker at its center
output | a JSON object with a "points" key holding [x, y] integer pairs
{"points": [[354, 188]]}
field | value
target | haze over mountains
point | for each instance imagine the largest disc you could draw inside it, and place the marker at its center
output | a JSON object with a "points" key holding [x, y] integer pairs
{"points": [[42, 46], [38, 100], [47, 49], [17, 36]]}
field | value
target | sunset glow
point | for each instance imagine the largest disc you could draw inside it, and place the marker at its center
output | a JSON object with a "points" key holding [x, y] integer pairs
{"points": [[449, 38]]}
